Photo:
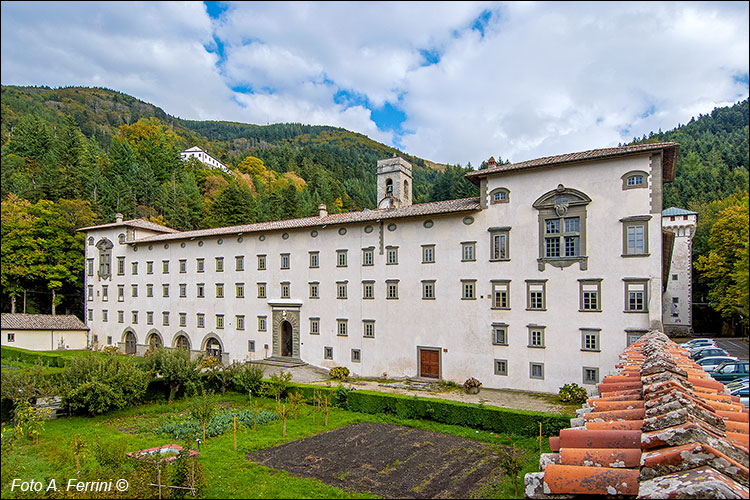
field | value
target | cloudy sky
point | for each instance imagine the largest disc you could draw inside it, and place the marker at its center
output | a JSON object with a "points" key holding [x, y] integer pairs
{"points": [[450, 82]]}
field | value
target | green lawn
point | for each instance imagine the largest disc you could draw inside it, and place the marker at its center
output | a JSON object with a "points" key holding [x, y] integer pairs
{"points": [[227, 473]]}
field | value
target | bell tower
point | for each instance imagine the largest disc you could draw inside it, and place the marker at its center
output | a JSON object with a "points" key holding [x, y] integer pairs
{"points": [[394, 183]]}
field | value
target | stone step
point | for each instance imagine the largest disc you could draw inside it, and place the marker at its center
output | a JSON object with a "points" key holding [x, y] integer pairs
{"points": [[278, 361]]}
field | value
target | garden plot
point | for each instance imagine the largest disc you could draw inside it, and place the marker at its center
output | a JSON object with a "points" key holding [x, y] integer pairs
{"points": [[388, 460]]}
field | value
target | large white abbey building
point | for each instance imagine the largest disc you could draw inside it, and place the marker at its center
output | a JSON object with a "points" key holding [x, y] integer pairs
{"points": [[540, 281]]}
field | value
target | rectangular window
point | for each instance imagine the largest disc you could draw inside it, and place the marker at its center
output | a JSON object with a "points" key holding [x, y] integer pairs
{"points": [[261, 323], [121, 266], [200, 320], [367, 256], [219, 290], [90, 290], [536, 370], [261, 290], [134, 268], [328, 353], [501, 367], [635, 296], [250, 346], [165, 318], [341, 327], [121, 316], [239, 289], [341, 289], [590, 339], [285, 292], [11, 337], [183, 320], [501, 295], [314, 326], [468, 289], [200, 265], [165, 267], [500, 244], [183, 266], [91, 315], [134, 290], [105, 315], [261, 262], [219, 264], [368, 289], [134, 317], [391, 256], [219, 321], [562, 234], [674, 277], [120, 293], [468, 251], [341, 258], [165, 290], [90, 267], [536, 295], [105, 293], [634, 335], [239, 263], [636, 237], [590, 375], [149, 317], [109, 340], [536, 336], [356, 355], [314, 290], [200, 290], [149, 290], [240, 321], [428, 254], [368, 328], [392, 289], [150, 267], [590, 295], [183, 290], [284, 261], [499, 334], [428, 290], [314, 260]]}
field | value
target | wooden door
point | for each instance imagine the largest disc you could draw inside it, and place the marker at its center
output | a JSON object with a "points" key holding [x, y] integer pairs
{"points": [[429, 363], [129, 343], [286, 338]]}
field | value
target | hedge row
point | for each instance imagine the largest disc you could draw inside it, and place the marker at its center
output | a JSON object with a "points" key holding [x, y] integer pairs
{"points": [[24, 356], [490, 418]]}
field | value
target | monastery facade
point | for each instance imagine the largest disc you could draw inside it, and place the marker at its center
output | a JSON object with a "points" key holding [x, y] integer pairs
{"points": [[542, 280]]}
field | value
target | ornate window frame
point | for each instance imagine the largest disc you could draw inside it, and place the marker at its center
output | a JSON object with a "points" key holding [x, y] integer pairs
{"points": [[561, 203]]}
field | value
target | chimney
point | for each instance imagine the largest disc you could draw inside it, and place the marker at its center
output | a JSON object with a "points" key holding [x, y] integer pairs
{"points": [[322, 210], [491, 162], [118, 218]]}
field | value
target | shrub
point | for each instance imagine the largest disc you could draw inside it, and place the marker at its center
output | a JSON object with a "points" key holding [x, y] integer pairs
{"points": [[249, 378], [573, 393], [339, 372], [280, 382], [110, 349], [471, 382], [174, 366]]}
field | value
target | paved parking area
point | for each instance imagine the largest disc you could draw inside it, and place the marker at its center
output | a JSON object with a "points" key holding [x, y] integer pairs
{"points": [[736, 347]]}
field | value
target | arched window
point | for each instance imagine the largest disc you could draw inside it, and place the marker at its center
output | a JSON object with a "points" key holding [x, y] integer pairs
{"points": [[389, 187], [105, 257], [406, 190], [562, 227], [499, 195], [634, 180], [182, 342]]}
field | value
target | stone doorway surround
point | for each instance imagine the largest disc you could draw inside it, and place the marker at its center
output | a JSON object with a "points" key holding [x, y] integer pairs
{"points": [[285, 310]]}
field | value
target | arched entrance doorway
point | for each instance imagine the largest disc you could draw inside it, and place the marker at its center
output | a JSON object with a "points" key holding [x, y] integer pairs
{"points": [[286, 339], [213, 348], [182, 342], [154, 341], [130, 343]]}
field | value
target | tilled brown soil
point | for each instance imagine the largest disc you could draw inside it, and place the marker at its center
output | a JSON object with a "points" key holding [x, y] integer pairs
{"points": [[387, 460]]}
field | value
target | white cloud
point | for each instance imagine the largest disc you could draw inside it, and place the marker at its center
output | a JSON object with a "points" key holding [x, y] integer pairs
{"points": [[546, 78]]}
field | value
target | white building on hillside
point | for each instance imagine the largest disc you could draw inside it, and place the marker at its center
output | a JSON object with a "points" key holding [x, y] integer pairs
{"points": [[678, 297], [540, 281], [203, 157]]}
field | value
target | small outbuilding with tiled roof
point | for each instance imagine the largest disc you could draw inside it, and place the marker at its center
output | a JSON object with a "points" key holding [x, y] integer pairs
{"points": [[43, 332]]}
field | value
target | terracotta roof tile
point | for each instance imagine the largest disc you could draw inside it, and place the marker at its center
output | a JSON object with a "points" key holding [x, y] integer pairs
{"points": [[12, 321], [693, 442], [137, 223]]}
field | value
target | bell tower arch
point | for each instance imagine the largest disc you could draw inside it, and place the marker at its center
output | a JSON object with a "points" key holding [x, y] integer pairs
{"points": [[394, 183]]}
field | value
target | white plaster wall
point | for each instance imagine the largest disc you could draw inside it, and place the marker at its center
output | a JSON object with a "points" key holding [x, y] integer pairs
{"points": [[46, 340], [460, 328]]}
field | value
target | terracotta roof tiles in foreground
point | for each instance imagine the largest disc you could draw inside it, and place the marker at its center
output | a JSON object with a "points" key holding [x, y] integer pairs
{"points": [[661, 428]]}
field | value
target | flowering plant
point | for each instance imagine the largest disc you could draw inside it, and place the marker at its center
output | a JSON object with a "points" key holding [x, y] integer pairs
{"points": [[471, 382]]}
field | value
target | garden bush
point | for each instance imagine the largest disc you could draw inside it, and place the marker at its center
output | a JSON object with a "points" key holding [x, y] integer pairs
{"points": [[249, 378], [573, 393], [339, 372]]}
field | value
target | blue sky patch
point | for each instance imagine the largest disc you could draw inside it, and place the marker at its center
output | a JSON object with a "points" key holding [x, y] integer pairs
{"points": [[481, 22], [215, 9], [430, 56], [648, 111]]}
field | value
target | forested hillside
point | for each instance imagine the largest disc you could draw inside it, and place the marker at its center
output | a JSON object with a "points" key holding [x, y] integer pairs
{"points": [[76, 156]]}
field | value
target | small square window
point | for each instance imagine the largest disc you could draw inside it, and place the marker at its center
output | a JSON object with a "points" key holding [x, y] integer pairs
{"points": [[536, 370], [590, 340], [590, 375], [328, 353], [356, 355], [11, 337], [674, 277], [500, 334], [501, 367]]}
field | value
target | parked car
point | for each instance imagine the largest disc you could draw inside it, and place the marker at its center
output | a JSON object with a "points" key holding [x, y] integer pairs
{"points": [[708, 351], [699, 347], [691, 344], [744, 394], [710, 362], [730, 371], [736, 384]]}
